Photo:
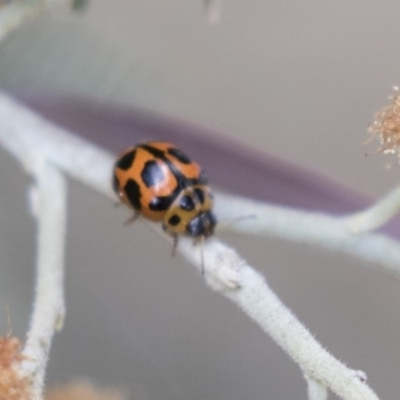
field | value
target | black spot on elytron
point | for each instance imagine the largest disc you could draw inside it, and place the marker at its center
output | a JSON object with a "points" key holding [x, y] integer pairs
{"points": [[126, 161], [152, 173], [187, 203], [115, 184], [132, 191], [183, 182], [161, 203], [174, 220], [200, 195], [153, 151], [179, 155]]}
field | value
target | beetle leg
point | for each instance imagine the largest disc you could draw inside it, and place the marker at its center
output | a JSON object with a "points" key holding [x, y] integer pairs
{"points": [[202, 254], [132, 219], [175, 244]]}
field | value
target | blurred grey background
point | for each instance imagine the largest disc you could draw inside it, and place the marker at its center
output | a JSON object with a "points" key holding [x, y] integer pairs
{"points": [[297, 79]]}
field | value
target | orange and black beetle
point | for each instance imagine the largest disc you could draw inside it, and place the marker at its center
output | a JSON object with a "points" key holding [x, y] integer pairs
{"points": [[160, 182]]}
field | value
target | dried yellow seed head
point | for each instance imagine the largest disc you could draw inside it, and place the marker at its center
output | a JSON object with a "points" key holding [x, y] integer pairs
{"points": [[12, 385], [83, 390], [386, 125]]}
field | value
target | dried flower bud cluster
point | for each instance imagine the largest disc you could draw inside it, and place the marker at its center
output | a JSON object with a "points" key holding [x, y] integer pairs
{"points": [[83, 390], [386, 125], [12, 385]]}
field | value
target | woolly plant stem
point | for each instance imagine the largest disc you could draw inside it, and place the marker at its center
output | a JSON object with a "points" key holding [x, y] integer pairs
{"points": [[377, 215], [316, 391], [48, 199], [17, 12], [233, 277], [316, 229], [26, 135]]}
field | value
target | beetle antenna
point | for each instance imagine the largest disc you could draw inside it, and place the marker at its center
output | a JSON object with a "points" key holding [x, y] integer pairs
{"points": [[202, 255], [235, 220], [132, 219]]}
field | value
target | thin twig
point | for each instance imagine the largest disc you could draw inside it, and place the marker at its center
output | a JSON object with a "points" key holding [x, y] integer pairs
{"points": [[316, 229], [375, 216], [24, 133], [227, 273], [49, 198], [316, 391], [17, 12], [92, 166]]}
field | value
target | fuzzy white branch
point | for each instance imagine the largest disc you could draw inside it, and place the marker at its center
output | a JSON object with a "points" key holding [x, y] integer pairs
{"points": [[229, 274], [48, 199], [93, 165], [377, 215], [316, 391], [26, 135], [14, 14], [313, 228]]}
